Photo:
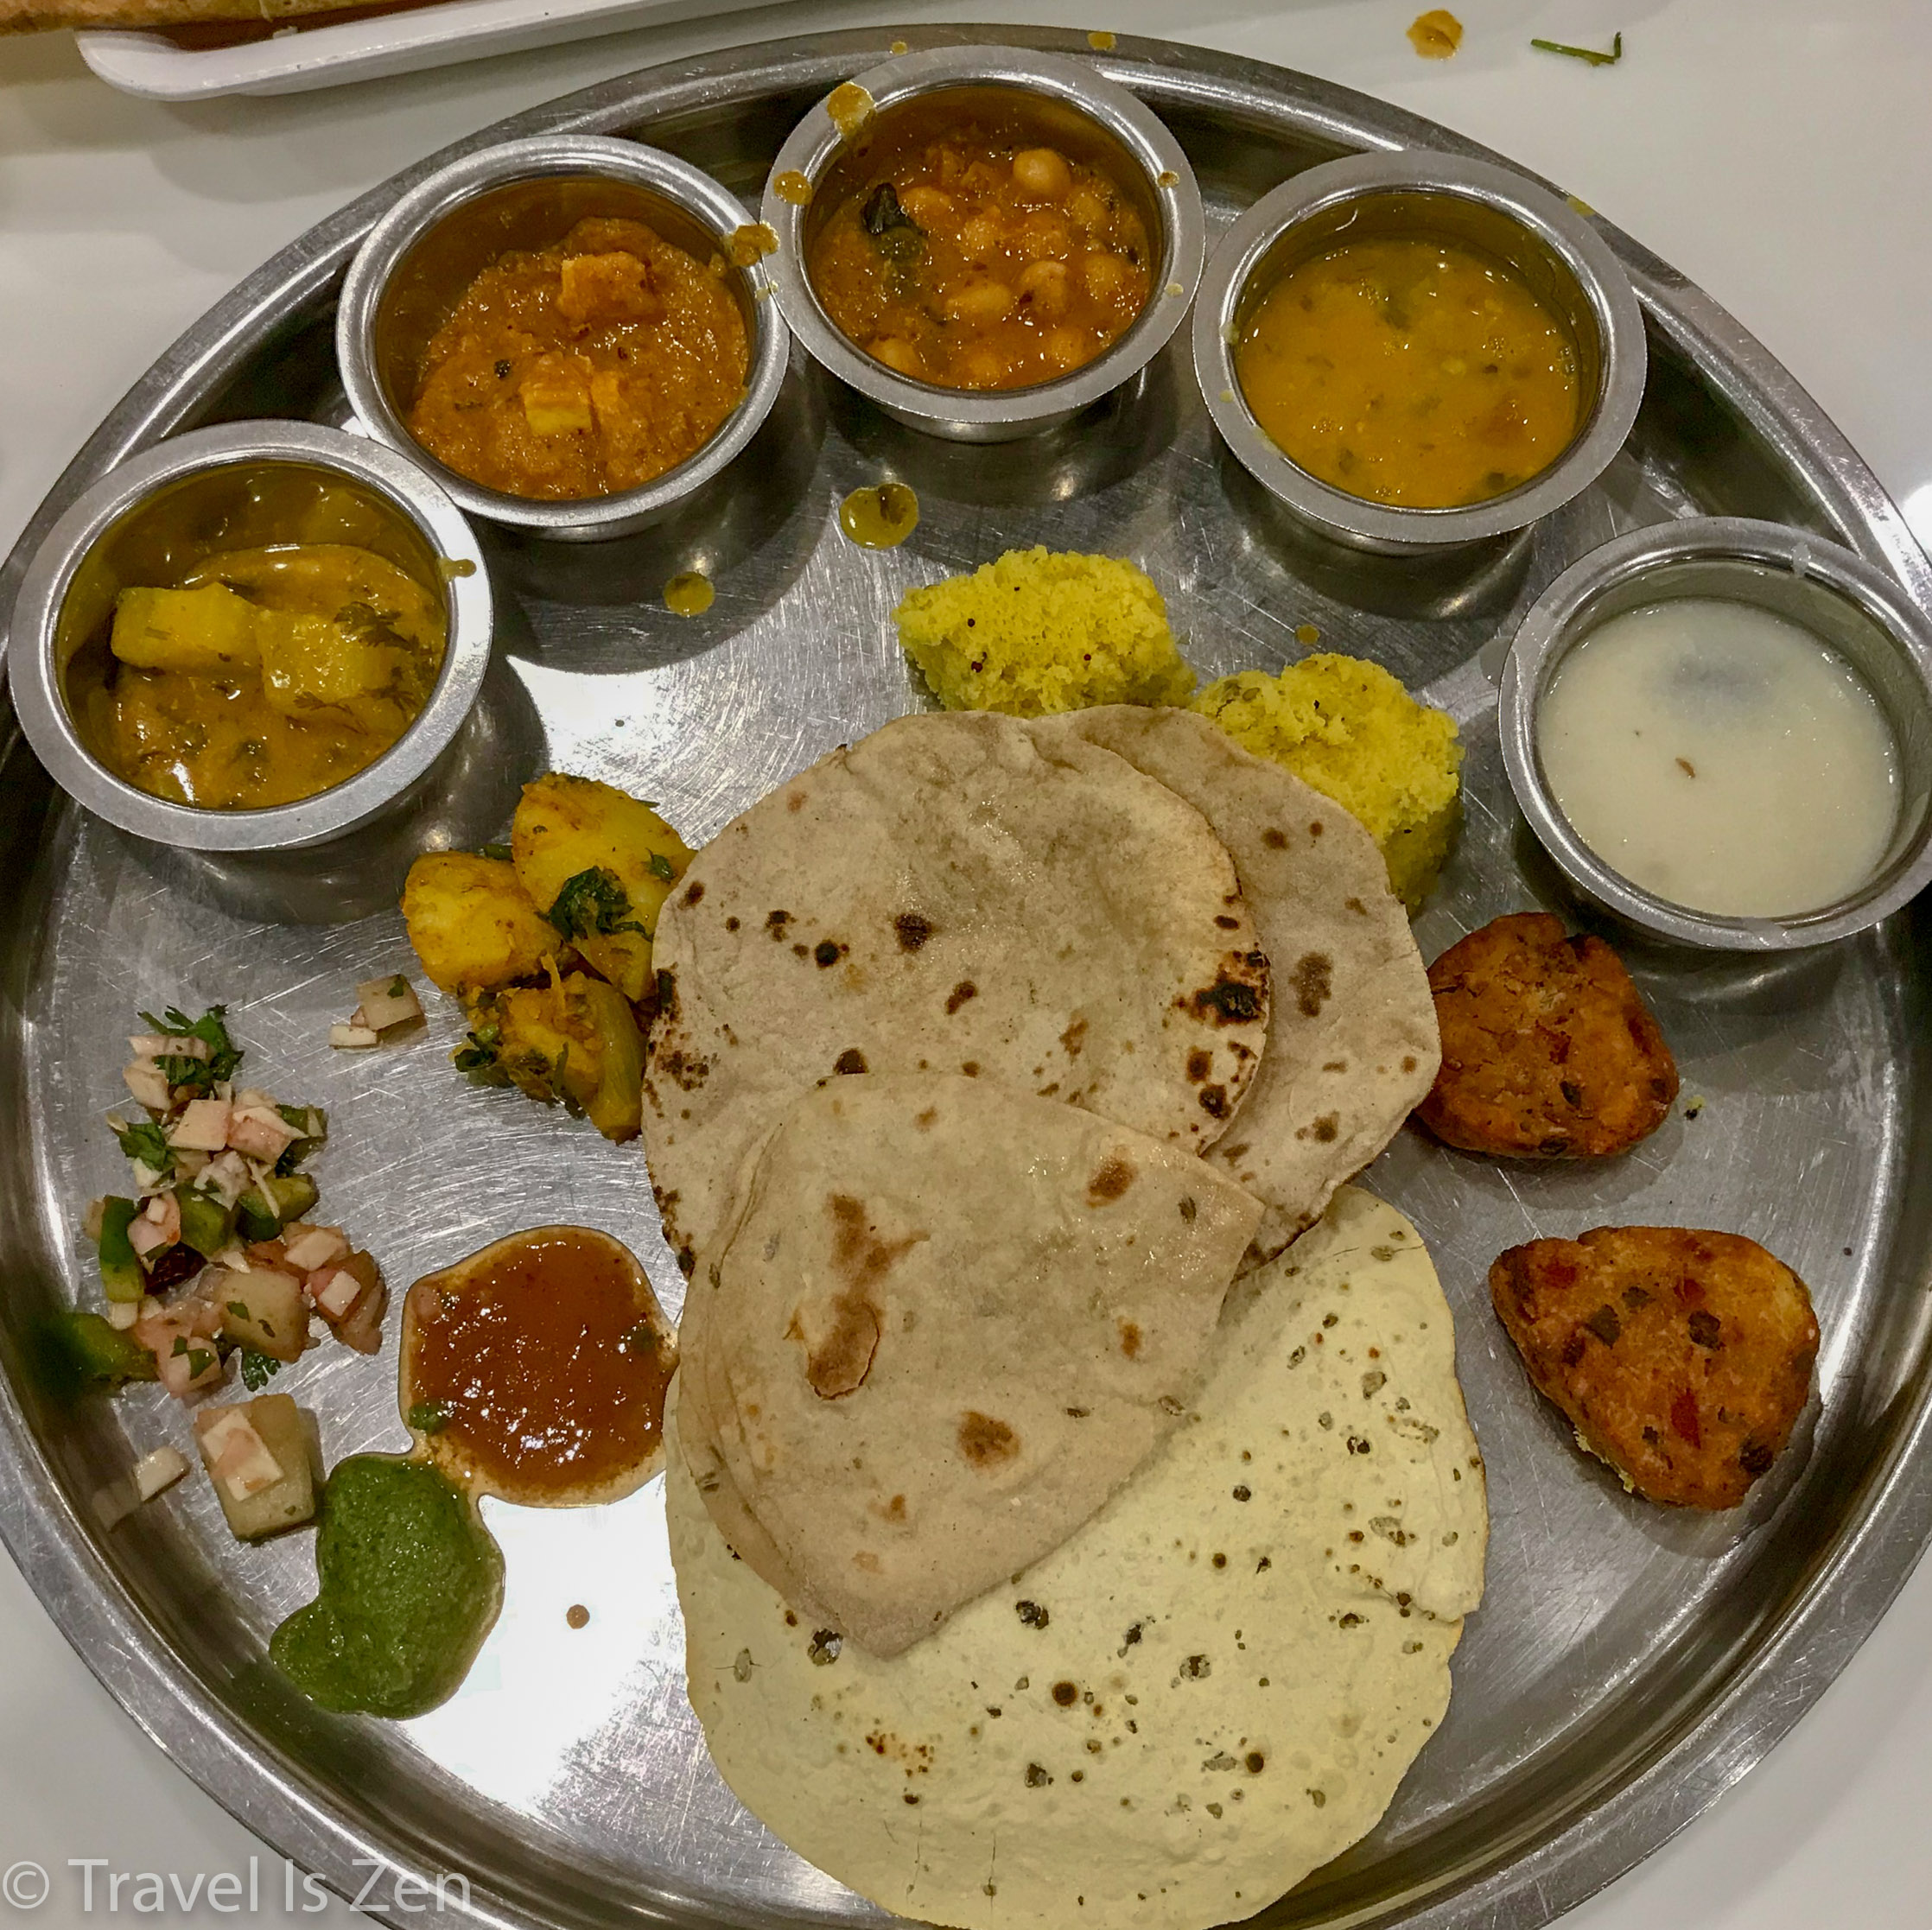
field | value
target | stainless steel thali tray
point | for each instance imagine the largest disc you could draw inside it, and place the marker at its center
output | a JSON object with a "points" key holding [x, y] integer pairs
{"points": [[1628, 1664]]}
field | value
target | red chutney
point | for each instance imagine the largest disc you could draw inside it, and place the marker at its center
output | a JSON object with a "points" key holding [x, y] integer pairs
{"points": [[536, 1369]]}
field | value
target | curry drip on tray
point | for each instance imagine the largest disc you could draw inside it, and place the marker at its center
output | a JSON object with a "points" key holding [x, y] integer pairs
{"points": [[974, 263], [585, 368]]}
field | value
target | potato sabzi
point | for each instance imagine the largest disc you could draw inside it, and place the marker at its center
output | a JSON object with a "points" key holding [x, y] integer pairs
{"points": [[547, 943]]}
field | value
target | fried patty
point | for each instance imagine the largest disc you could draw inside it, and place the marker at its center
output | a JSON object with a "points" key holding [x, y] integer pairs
{"points": [[1548, 1050], [1681, 1358]]}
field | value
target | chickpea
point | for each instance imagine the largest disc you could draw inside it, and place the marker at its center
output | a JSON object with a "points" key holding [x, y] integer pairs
{"points": [[928, 206], [1044, 237], [1087, 207], [1047, 289], [982, 366], [1041, 173], [982, 236], [979, 302], [1107, 276], [896, 352], [1064, 347]]}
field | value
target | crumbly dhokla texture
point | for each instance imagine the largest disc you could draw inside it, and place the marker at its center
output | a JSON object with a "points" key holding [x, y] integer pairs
{"points": [[1212, 1688], [1348, 728], [1042, 630], [1548, 1050], [1683, 1358]]}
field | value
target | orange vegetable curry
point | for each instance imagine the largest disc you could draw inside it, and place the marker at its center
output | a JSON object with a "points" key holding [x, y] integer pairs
{"points": [[975, 262], [585, 368]]}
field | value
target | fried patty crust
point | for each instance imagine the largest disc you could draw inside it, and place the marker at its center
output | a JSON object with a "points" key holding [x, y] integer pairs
{"points": [[1681, 1358], [1548, 1050]]}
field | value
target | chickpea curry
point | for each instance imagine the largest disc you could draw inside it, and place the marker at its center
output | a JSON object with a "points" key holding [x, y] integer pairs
{"points": [[265, 675], [585, 368], [1411, 371], [978, 262]]}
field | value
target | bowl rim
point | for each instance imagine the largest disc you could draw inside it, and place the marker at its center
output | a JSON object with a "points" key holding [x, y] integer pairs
{"points": [[1584, 255], [1558, 621], [41, 706], [539, 157], [817, 141]]}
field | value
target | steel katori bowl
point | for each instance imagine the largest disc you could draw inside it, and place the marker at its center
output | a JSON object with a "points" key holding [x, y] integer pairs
{"points": [[1047, 97], [419, 260], [161, 512], [1855, 608], [1410, 193]]}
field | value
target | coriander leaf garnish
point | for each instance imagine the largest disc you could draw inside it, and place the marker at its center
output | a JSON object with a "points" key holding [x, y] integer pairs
{"points": [[258, 1370], [594, 904], [661, 867], [428, 1416], [200, 1077], [1590, 55], [148, 1143], [478, 1053]]}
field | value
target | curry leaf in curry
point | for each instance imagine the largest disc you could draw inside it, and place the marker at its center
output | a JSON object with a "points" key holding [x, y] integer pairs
{"points": [[594, 904]]}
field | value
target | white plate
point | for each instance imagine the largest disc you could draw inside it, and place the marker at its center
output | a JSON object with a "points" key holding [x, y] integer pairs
{"points": [[294, 59]]}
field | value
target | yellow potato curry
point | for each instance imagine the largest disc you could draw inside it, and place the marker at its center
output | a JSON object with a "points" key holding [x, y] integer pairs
{"points": [[265, 675], [1410, 372], [585, 368]]}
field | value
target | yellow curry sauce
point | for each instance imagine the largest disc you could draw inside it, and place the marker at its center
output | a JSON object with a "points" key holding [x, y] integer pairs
{"points": [[585, 368], [974, 263], [1410, 372], [265, 675]]}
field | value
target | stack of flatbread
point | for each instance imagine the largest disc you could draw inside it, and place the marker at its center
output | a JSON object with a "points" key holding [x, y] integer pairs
{"points": [[990, 1053]]}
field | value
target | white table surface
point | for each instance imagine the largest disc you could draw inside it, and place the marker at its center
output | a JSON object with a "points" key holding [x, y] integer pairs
{"points": [[1778, 151]]}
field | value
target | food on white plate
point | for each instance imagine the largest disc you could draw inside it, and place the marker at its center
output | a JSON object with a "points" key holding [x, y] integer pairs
{"points": [[948, 1321], [410, 1584], [214, 1252], [472, 924], [257, 1456], [1348, 728], [1722, 757], [1351, 1038], [942, 897], [599, 864], [1548, 1049], [572, 1042], [1212, 1687], [536, 1369], [1039, 630], [383, 1005], [1683, 1358]]}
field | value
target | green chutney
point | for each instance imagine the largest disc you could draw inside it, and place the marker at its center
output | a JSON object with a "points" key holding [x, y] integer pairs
{"points": [[411, 1582]]}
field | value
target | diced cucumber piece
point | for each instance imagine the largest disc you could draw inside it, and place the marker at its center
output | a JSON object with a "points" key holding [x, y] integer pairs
{"points": [[75, 1352], [257, 1218], [120, 1272], [206, 1225]]}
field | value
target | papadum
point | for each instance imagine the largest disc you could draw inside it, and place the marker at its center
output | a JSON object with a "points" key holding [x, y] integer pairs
{"points": [[941, 896], [948, 1320], [1352, 1044], [1209, 1689]]}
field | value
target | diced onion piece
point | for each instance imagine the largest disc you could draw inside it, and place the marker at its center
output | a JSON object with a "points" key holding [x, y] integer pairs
{"points": [[148, 1084], [260, 1132], [202, 1127], [308, 1247], [352, 1039], [334, 1291], [386, 1002], [90, 1225], [165, 1211], [236, 1456], [162, 1469], [123, 1314], [146, 1238], [169, 1045], [226, 1176]]}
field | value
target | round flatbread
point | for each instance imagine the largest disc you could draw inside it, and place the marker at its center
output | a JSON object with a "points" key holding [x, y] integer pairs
{"points": [[948, 1321], [1353, 1045], [1210, 1690], [941, 897]]}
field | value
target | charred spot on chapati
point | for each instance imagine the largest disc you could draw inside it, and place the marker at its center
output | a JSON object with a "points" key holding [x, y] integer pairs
{"points": [[1683, 1358], [912, 931], [1313, 980], [1130, 1338], [1110, 1179], [1199, 1064], [693, 891], [1548, 1049], [1074, 1038], [1214, 1101], [959, 995], [985, 1442], [850, 1060], [775, 923], [828, 951], [1032, 1614]]}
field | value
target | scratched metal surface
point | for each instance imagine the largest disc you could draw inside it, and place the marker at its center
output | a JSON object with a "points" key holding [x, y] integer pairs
{"points": [[1627, 1664]]}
